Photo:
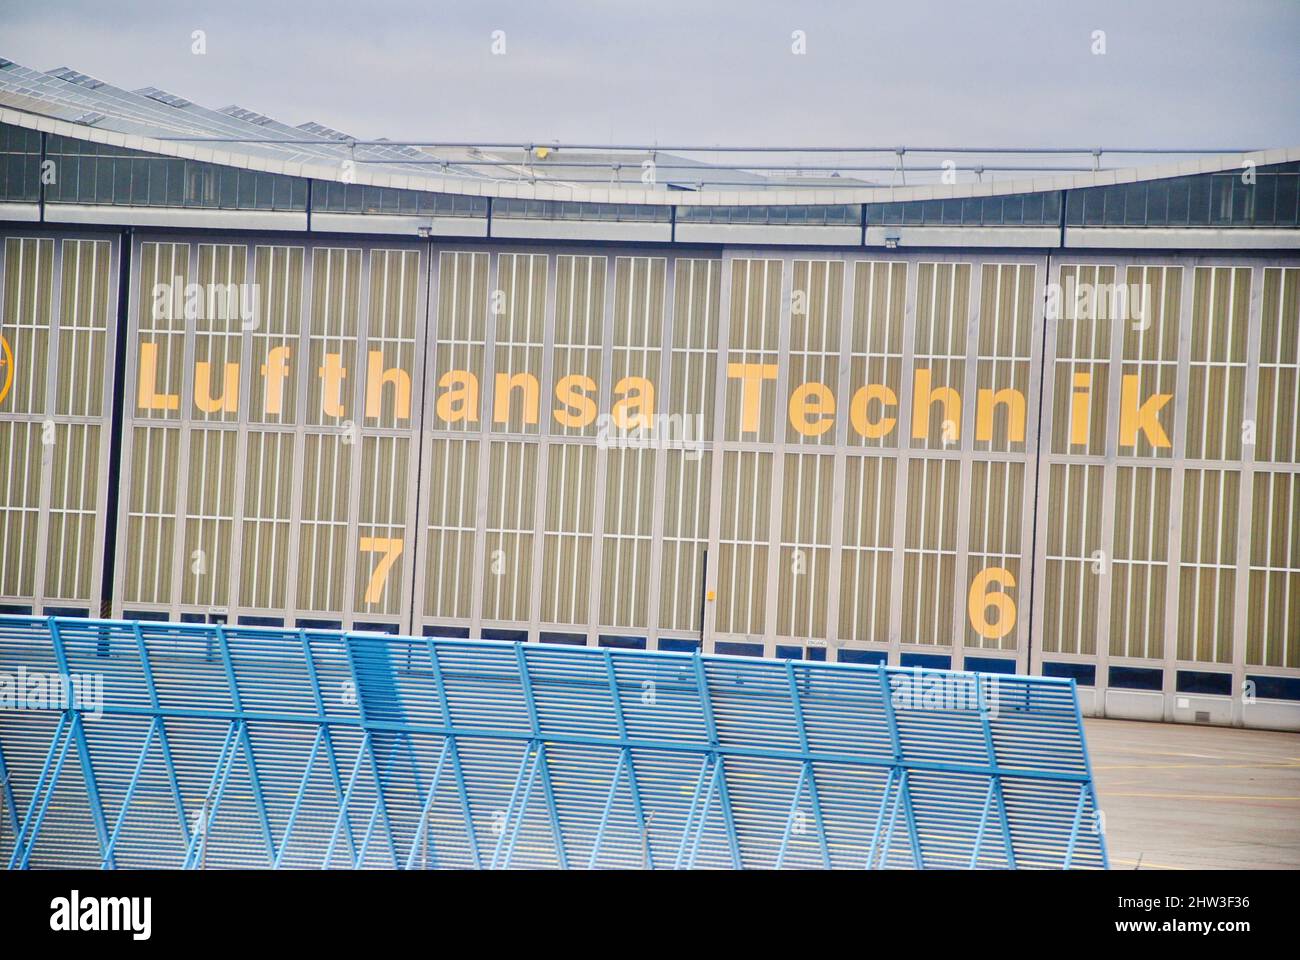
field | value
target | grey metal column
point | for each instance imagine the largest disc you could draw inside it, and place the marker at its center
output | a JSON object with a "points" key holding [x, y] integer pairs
{"points": [[299, 455], [485, 447], [1176, 488], [844, 390], [908, 373], [247, 338], [544, 445], [658, 492], [48, 423], [778, 451], [1246, 498], [716, 449], [596, 560], [422, 414], [966, 447]]}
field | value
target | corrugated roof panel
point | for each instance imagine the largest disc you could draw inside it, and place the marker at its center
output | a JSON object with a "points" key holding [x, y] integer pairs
{"points": [[248, 116], [162, 96], [73, 76]]}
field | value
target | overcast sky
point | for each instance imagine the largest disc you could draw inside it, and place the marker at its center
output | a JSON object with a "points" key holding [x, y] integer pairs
{"points": [[1175, 73]]}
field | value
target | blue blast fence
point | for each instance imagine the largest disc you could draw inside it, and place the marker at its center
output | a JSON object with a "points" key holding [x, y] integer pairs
{"points": [[215, 746]]}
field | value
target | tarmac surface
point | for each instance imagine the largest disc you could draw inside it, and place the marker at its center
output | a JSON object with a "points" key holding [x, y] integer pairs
{"points": [[1177, 796]]}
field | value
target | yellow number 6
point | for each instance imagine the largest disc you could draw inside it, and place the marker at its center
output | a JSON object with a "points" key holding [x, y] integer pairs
{"points": [[981, 598]]}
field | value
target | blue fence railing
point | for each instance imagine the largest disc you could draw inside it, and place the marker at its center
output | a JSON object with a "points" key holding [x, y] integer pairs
{"points": [[147, 744]]}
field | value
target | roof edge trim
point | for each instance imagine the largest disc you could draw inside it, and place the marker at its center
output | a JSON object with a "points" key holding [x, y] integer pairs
{"points": [[707, 198]]}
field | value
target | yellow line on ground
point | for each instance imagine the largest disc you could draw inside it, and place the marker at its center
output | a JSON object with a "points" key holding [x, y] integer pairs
{"points": [[1192, 766], [1145, 863], [1196, 796]]}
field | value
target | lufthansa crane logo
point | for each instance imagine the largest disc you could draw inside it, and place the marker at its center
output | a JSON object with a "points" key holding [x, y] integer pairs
{"points": [[6, 368]]}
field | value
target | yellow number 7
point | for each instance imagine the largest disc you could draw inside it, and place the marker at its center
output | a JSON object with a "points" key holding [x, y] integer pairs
{"points": [[391, 548]]}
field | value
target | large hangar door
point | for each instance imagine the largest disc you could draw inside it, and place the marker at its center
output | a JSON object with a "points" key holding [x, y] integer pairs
{"points": [[270, 433], [57, 344], [1169, 581], [894, 448]]}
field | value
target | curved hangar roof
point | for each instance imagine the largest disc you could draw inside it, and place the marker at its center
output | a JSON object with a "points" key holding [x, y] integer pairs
{"points": [[1201, 199]]}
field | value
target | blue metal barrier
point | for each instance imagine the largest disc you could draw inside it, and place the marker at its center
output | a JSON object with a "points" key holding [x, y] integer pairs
{"points": [[214, 746]]}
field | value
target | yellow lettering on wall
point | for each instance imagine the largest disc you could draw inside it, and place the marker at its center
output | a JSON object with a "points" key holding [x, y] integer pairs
{"points": [[642, 400], [507, 383], [811, 409], [203, 399], [6, 368], [570, 392], [460, 402], [148, 396], [1015, 404], [332, 375], [924, 397], [1079, 402], [751, 376], [376, 377], [810, 400], [872, 429], [982, 598], [1133, 417], [275, 370], [389, 549]]}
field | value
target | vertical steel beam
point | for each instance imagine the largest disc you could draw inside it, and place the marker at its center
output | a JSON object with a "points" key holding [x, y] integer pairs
{"points": [[790, 817], [297, 800], [336, 774], [979, 832], [422, 831], [620, 719], [344, 803], [512, 821], [8, 804], [605, 811], [690, 813], [173, 780], [1074, 827], [995, 780], [79, 733], [526, 684], [368, 748], [711, 725], [893, 821], [905, 794], [880, 820], [704, 814], [212, 798], [445, 712], [19, 856], [802, 728], [510, 805], [380, 805], [255, 782], [108, 863], [1099, 826]]}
